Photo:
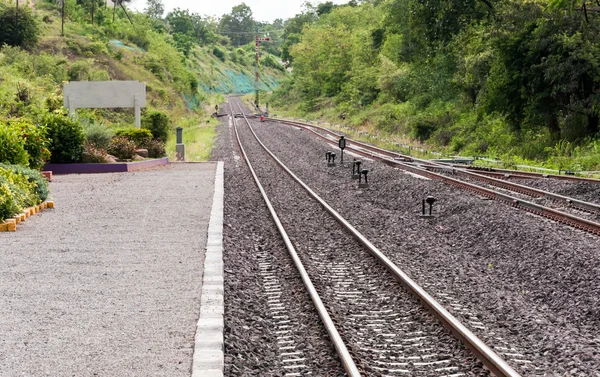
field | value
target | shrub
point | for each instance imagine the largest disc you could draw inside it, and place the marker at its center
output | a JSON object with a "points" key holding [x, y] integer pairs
{"points": [[22, 189], [8, 203], [91, 154], [139, 136], [12, 150], [40, 184], [122, 148], [219, 53], [24, 34], [98, 136], [80, 71], [156, 148], [66, 138], [158, 123], [34, 141]]}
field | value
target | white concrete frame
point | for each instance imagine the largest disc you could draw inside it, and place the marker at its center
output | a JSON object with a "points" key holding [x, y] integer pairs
{"points": [[105, 94]]}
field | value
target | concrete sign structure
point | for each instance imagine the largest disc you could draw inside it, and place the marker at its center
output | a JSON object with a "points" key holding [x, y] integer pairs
{"points": [[105, 94]]}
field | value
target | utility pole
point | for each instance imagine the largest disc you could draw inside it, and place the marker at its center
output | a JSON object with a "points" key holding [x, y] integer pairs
{"points": [[257, 42]]}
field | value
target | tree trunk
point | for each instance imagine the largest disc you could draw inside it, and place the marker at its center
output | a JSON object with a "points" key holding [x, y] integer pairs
{"points": [[553, 127], [592, 126]]}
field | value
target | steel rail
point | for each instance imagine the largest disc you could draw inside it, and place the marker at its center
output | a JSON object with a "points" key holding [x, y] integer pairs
{"points": [[538, 209], [485, 354], [342, 350], [512, 173], [583, 205], [534, 174], [533, 192]]}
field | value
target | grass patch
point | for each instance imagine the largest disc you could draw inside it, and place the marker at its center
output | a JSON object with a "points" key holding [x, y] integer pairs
{"points": [[198, 137]]}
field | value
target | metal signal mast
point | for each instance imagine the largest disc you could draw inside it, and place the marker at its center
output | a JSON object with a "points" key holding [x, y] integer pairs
{"points": [[257, 43]]}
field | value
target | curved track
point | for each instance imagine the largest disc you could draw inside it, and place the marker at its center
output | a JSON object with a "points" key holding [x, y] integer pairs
{"points": [[387, 332]]}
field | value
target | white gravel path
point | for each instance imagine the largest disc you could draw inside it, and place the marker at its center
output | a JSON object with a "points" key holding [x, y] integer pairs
{"points": [[109, 283]]}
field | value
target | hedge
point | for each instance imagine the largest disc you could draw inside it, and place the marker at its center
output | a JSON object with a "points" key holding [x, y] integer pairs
{"points": [[20, 188]]}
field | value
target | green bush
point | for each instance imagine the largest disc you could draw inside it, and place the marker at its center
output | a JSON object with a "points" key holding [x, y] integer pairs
{"points": [[80, 71], [66, 138], [156, 148], [12, 149], [34, 141], [219, 53], [98, 135], [8, 203], [91, 154], [39, 182], [22, 189], [158, 123], [22, 34], [138, 135], [122, 148]]}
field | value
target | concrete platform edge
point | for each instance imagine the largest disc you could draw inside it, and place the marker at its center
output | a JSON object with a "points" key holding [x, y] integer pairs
{"points": [[208, 359]]}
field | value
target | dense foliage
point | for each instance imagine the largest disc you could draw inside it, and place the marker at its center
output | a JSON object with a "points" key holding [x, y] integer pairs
{"points": [[138, 135], [22, 142], [66, 138], [19, 28], [158, 124], [122, 148], [492, 77], [20, 188]]}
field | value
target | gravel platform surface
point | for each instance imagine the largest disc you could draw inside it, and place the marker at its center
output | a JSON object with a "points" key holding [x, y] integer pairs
{"points": [[108, 283], [255, 259], [505, 273], [385, 327]]}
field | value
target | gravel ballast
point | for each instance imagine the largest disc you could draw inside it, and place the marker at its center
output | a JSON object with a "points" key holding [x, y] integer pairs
{"points": [[108, 283], [255, 259], [504, 272], [386, 328]]}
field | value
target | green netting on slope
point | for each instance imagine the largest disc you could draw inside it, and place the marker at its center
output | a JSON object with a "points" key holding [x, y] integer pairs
{"points": [[232, 82]]}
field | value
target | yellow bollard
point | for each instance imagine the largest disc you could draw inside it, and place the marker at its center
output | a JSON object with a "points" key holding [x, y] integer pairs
{"points": [[3, 227], [22, 216], [50, 204]]}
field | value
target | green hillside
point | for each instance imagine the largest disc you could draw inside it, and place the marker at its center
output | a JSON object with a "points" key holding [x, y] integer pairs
{"points": [[517, 80], [185, 62]]}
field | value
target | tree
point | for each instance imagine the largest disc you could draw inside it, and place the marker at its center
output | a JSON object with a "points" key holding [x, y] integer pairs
{"points": [[155, 9], [325, 8], [238, 25], [19, 27], [198, 30]]}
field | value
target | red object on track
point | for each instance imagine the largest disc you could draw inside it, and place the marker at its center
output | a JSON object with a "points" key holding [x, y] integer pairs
{"points": [[262, 118]]}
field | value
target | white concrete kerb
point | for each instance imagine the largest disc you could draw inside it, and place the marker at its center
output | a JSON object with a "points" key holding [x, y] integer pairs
{"points": [[208, 346]]}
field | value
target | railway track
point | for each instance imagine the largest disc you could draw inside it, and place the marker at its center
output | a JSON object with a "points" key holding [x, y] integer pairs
{"points": [[494, 172], [443, 172], [378, 328]]}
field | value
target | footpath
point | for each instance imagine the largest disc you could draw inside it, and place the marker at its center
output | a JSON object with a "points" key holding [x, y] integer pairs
{"points": [[108, 283]]}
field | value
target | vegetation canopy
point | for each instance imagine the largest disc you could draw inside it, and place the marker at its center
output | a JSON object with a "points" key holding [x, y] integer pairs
{"points": [[482, 77]]}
